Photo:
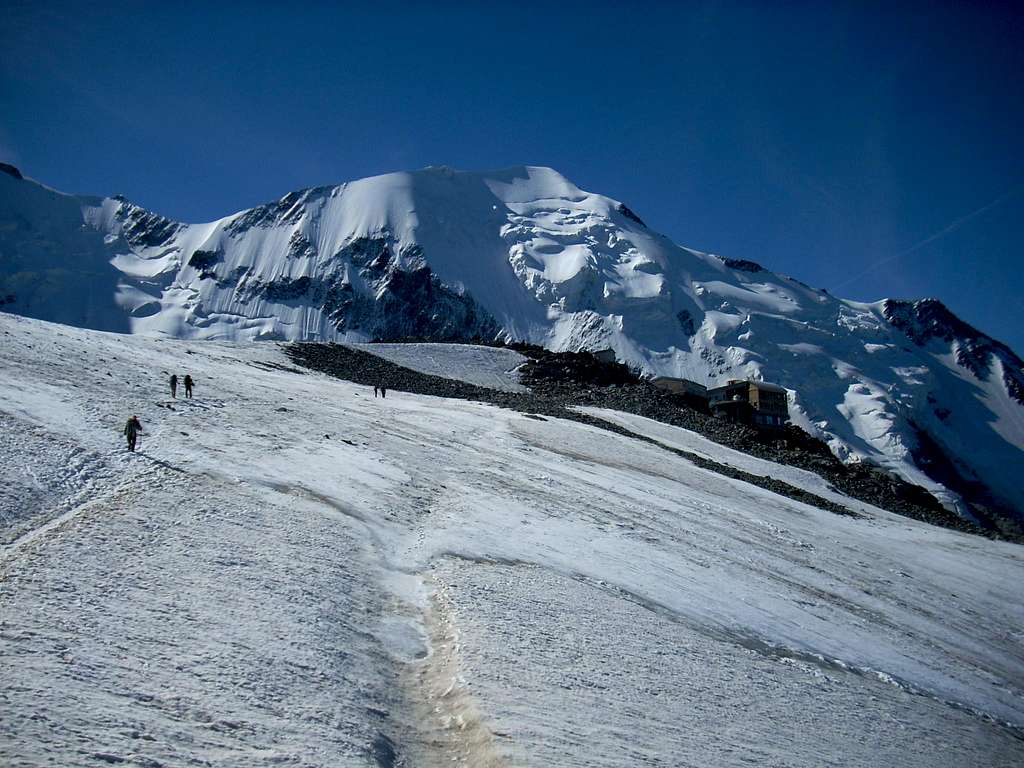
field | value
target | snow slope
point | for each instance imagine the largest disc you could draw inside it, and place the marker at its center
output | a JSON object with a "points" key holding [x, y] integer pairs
{"points": [[522, 252], [490, 367], [692, 442], [291, 571]]}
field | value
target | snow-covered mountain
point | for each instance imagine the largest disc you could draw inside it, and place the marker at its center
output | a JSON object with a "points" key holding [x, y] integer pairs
{"points": [[523, 253]]}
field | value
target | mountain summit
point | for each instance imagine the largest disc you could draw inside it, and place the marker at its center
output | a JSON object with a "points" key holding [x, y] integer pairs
{"points": [[524, 254]]}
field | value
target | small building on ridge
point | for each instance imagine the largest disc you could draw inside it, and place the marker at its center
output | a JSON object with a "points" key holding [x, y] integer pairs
{"points": [[751, 402]]}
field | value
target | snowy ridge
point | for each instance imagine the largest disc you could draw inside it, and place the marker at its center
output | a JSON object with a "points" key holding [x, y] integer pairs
{"points": [[523, 253], [425, 581]]}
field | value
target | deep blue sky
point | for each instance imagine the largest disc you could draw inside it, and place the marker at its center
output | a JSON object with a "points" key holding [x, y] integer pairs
{"points": [[827, 141]]}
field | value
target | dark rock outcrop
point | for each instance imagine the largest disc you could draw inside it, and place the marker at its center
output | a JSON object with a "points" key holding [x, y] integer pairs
{"points": [[205, 260], [300, 247], [288, 210], [686, 322], [626, 211], [142, 228], [742, 264], [369, 288]]}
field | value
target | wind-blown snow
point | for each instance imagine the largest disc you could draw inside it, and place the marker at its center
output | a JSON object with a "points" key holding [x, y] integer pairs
{"points": [[525, 252], [293, 571]]}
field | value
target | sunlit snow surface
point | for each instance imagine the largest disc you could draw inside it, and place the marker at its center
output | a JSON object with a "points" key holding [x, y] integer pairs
{"points": [[293, 572]]}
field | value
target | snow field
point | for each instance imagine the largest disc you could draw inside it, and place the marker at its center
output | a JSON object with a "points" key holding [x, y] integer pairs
{"points": [[290, 571], [491, 367], [695, 443], [162, 629]]}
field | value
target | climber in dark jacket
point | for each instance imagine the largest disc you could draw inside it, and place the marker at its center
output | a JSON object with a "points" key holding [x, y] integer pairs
{"points": [[131, 431], [188, 385], [174, 385]]}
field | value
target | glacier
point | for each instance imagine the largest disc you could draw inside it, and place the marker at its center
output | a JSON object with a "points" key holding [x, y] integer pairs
{"points": [[524, 254]]}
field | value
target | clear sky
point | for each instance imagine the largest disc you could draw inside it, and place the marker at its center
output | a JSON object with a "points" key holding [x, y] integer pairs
{"points": [[871, 149]]}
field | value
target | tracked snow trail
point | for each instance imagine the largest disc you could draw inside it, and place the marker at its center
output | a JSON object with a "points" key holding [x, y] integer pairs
{"points": [[186, 624], [291, 571]]}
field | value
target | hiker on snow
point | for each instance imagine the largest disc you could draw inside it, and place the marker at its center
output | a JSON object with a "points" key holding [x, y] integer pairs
{"points": [[131, 431], [188, 386], [174, 385]]}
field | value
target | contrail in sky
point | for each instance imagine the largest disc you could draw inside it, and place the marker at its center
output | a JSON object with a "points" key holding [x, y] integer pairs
{"points": [[952, 226]]}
